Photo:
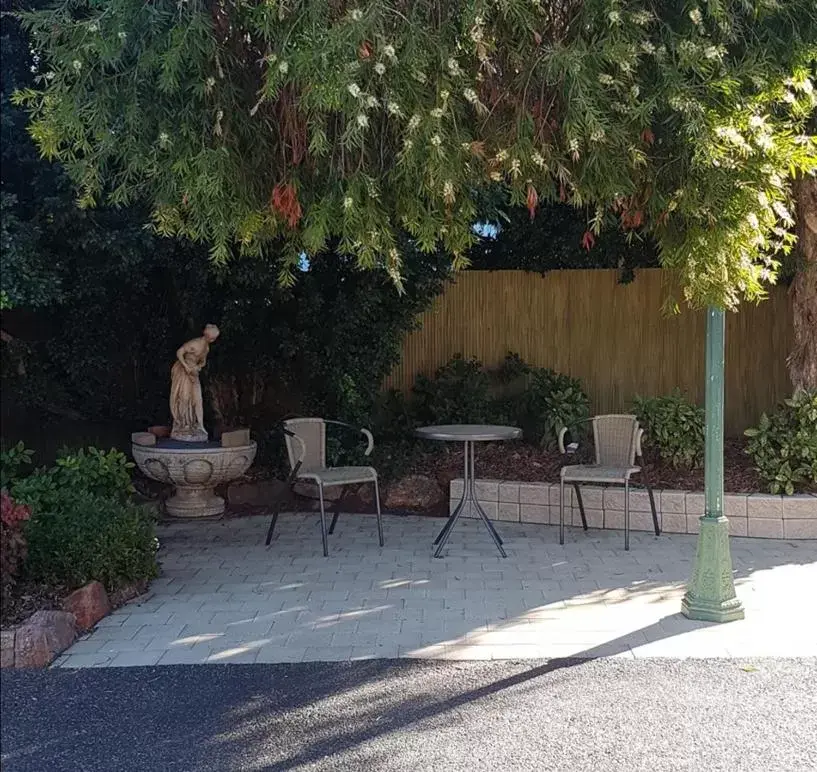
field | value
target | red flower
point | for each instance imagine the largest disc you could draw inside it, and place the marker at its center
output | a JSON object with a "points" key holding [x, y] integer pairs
{"points": [[532, 201], [647, 136], [588, 240], [285, 202]]}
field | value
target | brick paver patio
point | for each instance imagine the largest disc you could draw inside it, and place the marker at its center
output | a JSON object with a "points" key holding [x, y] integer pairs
{"points": [[224, 598]]}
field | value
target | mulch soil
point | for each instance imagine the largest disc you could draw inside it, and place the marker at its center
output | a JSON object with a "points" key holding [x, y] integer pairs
{"points": [[528, 463], [27, 597]]}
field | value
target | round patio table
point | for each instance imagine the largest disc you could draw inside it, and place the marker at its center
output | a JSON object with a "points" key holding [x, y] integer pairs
{"points": [[468, 434]]}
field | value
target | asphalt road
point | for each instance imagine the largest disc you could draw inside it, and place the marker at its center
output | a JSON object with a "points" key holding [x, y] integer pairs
{"points": [[599, 715]]}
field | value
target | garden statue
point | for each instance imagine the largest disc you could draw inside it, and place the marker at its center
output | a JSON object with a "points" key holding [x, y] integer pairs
{"points": [[186, 405], [186, 460]]}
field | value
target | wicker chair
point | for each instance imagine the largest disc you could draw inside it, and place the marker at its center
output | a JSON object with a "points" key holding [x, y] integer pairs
{"points": [[617, 440], [306, 448]]}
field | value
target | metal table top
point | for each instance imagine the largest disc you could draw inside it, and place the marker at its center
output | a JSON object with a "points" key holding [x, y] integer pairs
{"points": [[469, 433]]}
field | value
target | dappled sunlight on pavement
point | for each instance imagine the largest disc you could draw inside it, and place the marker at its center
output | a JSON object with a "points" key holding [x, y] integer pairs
{"points": [[225, 598]]}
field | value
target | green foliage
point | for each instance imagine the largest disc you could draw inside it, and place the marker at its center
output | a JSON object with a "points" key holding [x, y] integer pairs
{"points": [[555, 400], [12, 463], [93, 472], [674, 426], [274, 128], [536, 399], [84, 536], [784, 445], [458, 393]]}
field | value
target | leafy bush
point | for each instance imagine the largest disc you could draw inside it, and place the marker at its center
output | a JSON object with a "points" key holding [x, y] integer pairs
{"points": [[86, 537], [555, 400], [93, 472], [458, 393], [536, 399], [12, 462], [784, 445], [12, 541], [675, 426]]}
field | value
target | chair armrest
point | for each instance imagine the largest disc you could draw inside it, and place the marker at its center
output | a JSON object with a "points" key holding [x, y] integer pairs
{"points": [[300, 442], [365, 432], [561, 438], [639, 453]]}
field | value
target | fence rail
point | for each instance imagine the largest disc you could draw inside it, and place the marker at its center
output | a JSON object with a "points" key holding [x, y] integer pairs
{"points": [[612, 336]]}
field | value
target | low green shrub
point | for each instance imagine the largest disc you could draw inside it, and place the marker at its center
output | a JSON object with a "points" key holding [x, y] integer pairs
{"points": [[94, 472], [675, 426], [555, 400], [85, 537], [12, 463], [538, 400], [784, 445], [458, 393]]}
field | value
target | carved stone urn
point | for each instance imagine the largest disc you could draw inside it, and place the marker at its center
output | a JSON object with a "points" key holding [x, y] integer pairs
{"points": [[194, 469]]}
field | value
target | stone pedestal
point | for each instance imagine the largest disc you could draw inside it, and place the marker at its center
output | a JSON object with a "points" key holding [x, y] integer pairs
{"points": [[710, 596], [194, 470]]}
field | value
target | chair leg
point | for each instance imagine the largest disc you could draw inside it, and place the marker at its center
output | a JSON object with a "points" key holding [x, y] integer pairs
{"points": [[323, 523], [652, 507], [562, 511], [581, 504], [275, 512], [336, 511], [379, 515], [627, 515]]}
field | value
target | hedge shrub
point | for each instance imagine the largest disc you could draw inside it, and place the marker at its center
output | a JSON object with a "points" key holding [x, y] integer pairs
{"points": [[784, 445], [674, 426], [86, 537]]}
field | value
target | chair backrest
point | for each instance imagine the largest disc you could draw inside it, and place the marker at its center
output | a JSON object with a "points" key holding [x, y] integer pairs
{"points": [[615, 438], [312, 433]]}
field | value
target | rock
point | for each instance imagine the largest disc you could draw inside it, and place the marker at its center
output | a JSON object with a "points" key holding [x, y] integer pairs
{"points": [[39, 640], [143, 438], [415, 492], [159, 431], [88, 604], [7, 648]]}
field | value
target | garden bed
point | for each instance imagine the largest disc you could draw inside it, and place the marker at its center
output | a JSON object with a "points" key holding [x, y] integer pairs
{"points": [[528, 463]]}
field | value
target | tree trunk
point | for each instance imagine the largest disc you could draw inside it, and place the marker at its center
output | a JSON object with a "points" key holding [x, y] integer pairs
{"points": [[803, 359]]}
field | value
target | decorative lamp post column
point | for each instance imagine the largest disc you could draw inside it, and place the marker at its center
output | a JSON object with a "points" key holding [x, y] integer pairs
{"points": [[710, 595]]}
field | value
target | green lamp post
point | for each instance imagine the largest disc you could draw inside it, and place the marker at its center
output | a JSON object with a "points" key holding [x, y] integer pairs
{"points": [[710, 595]]}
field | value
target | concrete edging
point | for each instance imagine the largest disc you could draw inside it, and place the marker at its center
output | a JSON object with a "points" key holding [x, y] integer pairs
{"points": [[758, 515]]}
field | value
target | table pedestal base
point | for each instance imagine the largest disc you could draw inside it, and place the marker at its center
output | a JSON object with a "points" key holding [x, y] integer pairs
{"points": [[469, 497]]}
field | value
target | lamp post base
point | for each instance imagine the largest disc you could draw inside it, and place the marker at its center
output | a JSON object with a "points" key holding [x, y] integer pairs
{"points": [[710, 596]]}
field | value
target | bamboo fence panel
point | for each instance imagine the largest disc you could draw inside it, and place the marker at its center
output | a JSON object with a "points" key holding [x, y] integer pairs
{"points": [[612, 336]]}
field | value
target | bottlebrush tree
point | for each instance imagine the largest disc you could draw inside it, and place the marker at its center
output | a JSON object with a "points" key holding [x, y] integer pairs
{"points": [[281, 126]]}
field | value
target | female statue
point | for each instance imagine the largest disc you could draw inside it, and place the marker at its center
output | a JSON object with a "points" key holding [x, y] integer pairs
{"points": [[186, 405]]}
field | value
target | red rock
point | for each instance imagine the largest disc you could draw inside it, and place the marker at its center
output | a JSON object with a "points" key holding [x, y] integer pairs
{"points": [[159, 431], [7, 648], [415, 492], [88, 604], [39, 640]]}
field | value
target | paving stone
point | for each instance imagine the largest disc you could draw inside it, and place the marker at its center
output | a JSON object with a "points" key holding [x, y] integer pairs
{"points": [[766, 527], [765, 507], [545, 600], [673, 502], [800, 529], [801, 506], [534, 513]]}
